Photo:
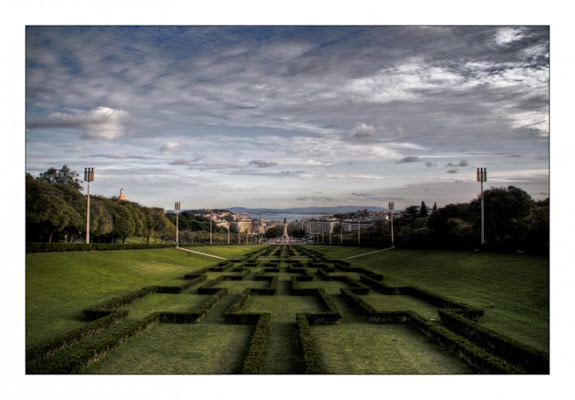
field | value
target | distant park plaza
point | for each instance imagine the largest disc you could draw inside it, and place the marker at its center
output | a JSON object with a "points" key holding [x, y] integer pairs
{"points": [[286, 309]]}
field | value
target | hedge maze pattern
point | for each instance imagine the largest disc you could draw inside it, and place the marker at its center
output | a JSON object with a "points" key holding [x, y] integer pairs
{"points": [[287, 272]]}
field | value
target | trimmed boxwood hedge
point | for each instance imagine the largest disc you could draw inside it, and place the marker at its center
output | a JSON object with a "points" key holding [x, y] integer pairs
{"points": [[435, 299], [254, 361], [109, 306], [54, 247], [534, 361], [83, 358], [312, 360], [57, 344], [473, 355], [197, 313]]}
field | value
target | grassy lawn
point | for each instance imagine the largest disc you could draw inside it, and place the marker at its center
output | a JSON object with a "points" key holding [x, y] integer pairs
{"points": [[60, 285], [227, 251], [365, 348], [180, 349], [512, 289]]}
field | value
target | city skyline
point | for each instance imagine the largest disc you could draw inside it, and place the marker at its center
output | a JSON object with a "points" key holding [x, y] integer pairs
{"points": [[290, 116]]}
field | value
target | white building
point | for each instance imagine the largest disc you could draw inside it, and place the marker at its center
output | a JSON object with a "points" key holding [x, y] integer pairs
{"points": [[319, 226]]}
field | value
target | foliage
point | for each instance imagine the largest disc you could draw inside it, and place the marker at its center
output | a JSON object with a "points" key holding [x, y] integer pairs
{"points": [[62, 176], [56, 211]]}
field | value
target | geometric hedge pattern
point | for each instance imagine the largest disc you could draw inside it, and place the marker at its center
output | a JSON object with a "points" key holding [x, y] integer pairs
{"points": [[291, 297]]}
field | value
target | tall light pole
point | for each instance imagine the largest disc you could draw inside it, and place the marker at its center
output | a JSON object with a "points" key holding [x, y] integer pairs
{"points": [[482, 177], [88, 177], [391, 207], [177, 207]]}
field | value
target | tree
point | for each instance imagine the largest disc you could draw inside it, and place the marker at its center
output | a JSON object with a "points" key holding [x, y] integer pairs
{"points": [[46, 211], [64, 176], [423, 210]]}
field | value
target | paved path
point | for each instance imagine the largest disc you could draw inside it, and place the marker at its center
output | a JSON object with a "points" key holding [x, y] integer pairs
{"points": [[371, 252], [200, 253]]}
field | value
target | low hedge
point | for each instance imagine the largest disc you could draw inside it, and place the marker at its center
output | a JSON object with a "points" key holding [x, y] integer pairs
{"points": [[312, 360], [59, 247], [83, 358], [435, 299], [473, 355], [534, 361], [109, 306], [208, 287], [197, 313], [57, 344], [254, 361], [269, 291], [330, 317]]}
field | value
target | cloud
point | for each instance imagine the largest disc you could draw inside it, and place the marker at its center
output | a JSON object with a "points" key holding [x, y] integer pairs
{"points": [[505, 36], [262, 163], [314, 198], [363, 130], [462, 163], [191, 161], [169, 146], [408, 159], [99, 123], [452, 171], [430, 164]]}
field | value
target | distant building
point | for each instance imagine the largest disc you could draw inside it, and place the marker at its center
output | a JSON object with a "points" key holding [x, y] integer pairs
{"points": [[319, 226], [244, 226], [354, 225], [122, 196]]}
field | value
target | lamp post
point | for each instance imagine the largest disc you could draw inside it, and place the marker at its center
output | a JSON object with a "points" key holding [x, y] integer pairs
{"points": [[391, 207], [177, 207], [482, 177], [88, 177]]}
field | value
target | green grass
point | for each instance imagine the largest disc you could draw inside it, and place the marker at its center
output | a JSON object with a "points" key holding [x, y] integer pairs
{"points": [[180, 349], [512, 289], [60, 285], [364, 348], [226, 251]]}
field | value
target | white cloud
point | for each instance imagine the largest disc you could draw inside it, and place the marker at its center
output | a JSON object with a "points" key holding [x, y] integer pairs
{"points": [[504, 36], [99, 123]]}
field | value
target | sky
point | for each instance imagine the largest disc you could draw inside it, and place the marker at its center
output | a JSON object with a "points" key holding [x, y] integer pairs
{"points": [[280, 116]]}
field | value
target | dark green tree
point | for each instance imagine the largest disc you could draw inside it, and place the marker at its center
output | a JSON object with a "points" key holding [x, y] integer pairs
{"points": [[64, 176]]}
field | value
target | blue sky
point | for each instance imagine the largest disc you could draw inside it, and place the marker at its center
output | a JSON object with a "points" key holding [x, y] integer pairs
{"points": [[291, 116]]}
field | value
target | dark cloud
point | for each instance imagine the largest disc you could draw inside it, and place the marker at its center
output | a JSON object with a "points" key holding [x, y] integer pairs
{"points": [[408, 159], [262, 164], [462, 163], [452, 171]]}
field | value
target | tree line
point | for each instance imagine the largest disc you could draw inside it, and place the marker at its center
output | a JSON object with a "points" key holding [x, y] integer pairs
{"points": [[56, 211], [511, 219]]}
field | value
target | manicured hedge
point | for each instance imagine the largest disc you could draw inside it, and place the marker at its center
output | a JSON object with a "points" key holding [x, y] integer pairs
{"points": [[55, 345], [312, 360], [472, 354], [81, 359], [534, 361], [435, 299], [254, 361], [109, 306], [55, 247], [269, 291], [197, 313]]}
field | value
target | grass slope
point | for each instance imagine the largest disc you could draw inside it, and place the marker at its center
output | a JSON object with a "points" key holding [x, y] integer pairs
{"points": [[512, 289]]}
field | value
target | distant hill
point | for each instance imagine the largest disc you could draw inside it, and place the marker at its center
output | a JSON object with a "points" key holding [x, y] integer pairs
{"points": [[304, 210]]}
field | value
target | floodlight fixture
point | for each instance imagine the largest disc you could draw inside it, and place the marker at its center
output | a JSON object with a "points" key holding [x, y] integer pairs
{"points": [[482, 177], [88, 177]]}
